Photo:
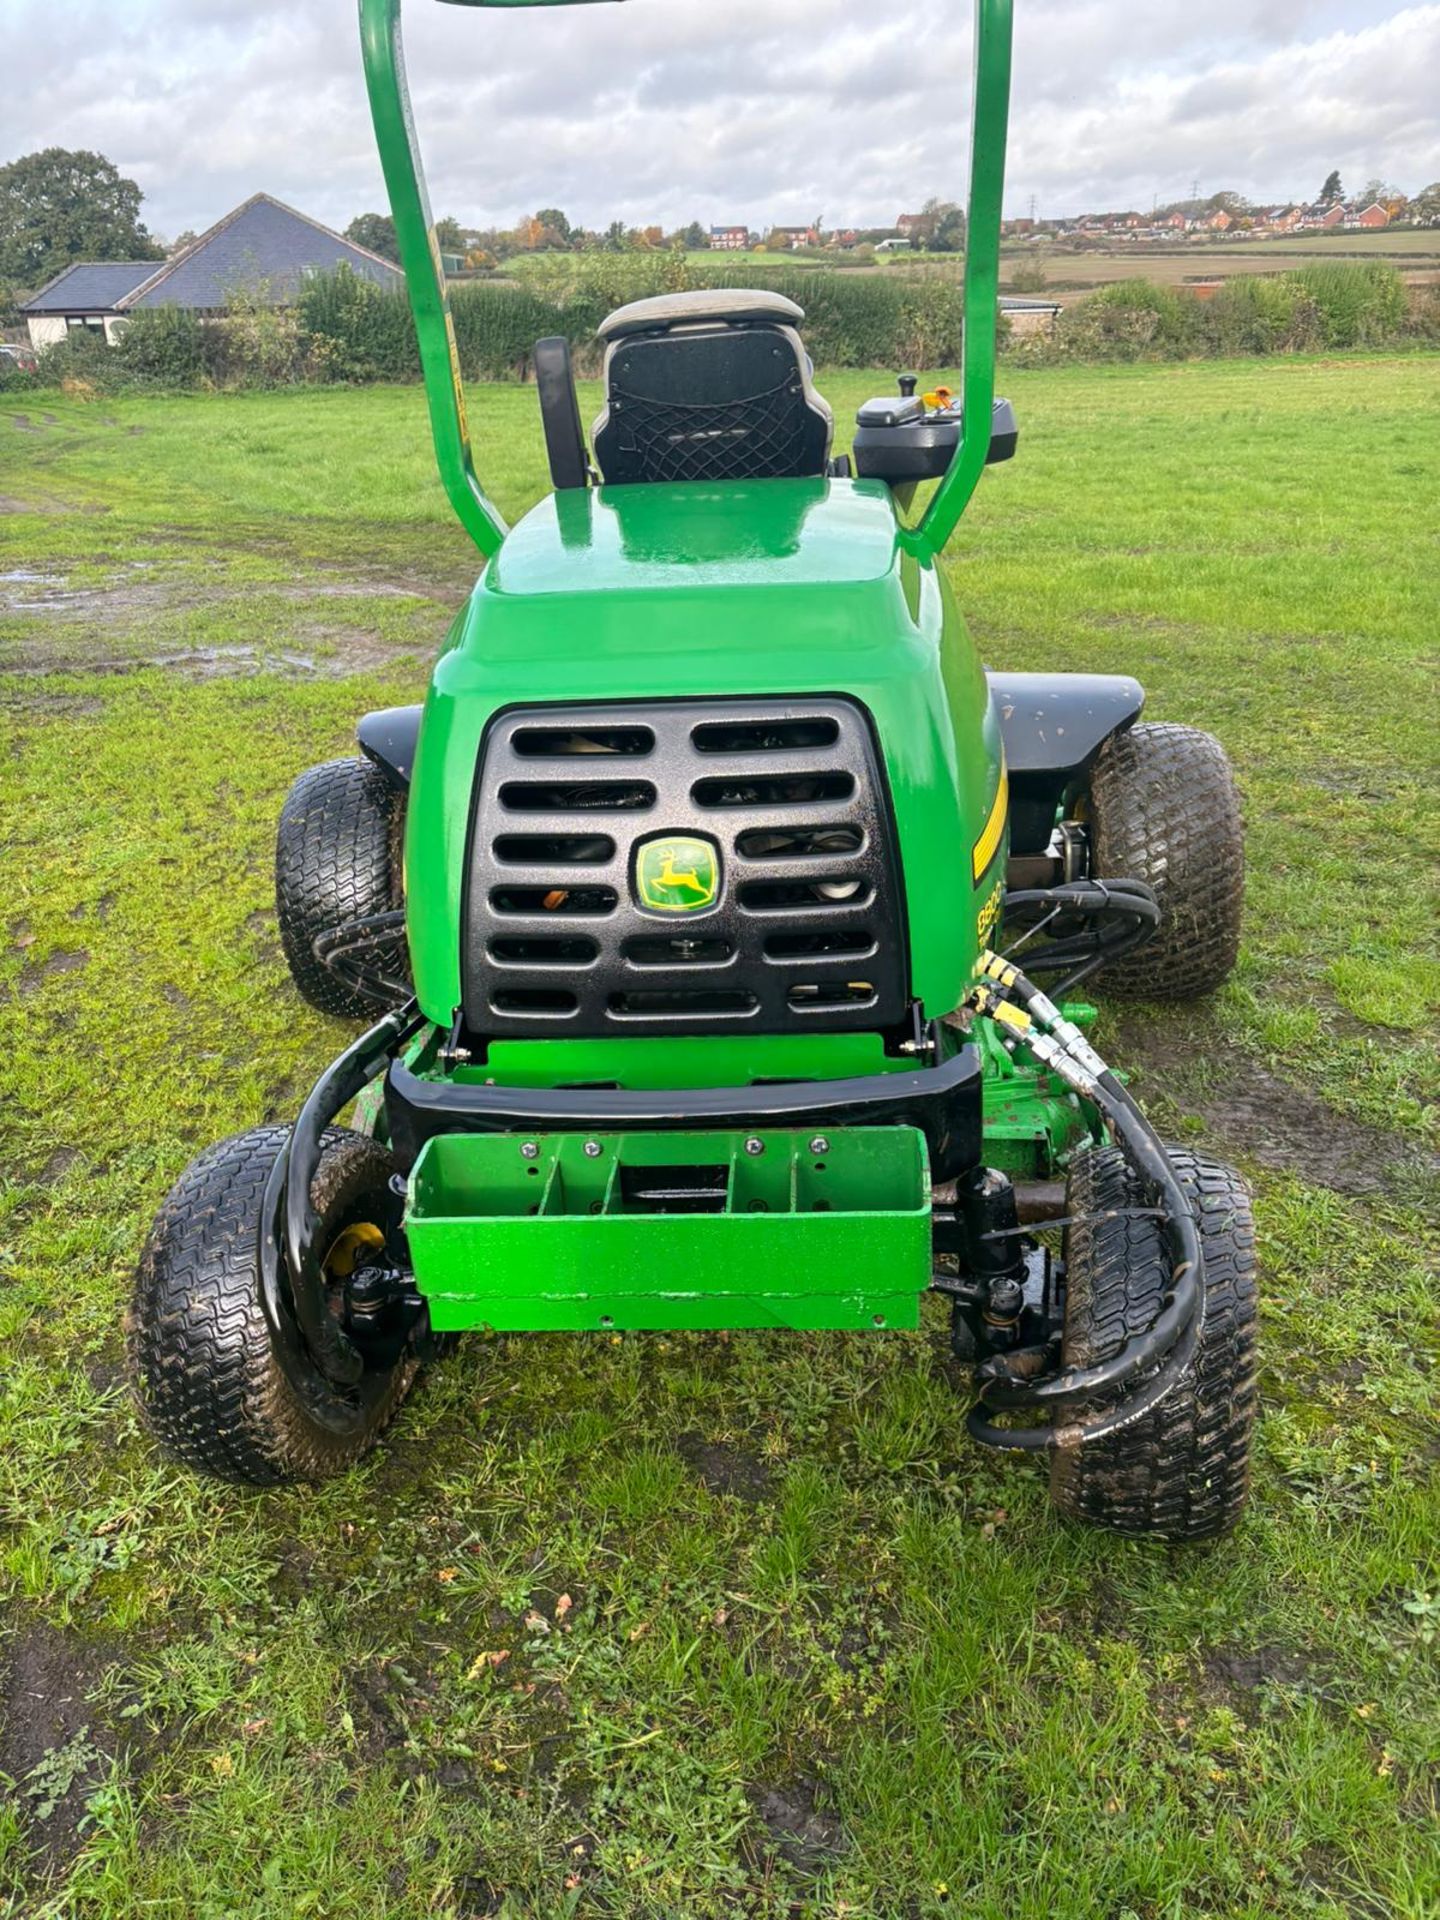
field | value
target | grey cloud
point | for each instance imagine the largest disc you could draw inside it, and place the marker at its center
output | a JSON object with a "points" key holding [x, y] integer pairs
{"points": [[757, 110]]}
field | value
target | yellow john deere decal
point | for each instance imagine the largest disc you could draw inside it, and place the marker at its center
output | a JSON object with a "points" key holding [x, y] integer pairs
{"points": [[988, 845], [677, 873]]}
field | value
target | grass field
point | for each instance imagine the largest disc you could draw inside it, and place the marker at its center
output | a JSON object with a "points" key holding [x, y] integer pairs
{"points": [[698, 1626]]}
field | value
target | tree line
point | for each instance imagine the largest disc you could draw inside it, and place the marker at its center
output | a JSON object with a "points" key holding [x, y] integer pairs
{"points": [[938, 228]]}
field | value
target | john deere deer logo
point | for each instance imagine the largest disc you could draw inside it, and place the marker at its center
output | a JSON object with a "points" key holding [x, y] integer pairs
{"points": [[677, 873]]}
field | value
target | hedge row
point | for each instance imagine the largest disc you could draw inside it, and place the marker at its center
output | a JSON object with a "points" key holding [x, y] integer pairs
{"points": [[347, 330], [1310, 310]]}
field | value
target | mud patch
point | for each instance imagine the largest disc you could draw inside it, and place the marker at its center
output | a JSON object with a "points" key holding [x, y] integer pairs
{"points": [[1278, 1124], [33, 705], [1240, 1678], [61, 1162], [1235, 1670], [51, 1743], [33, 978], [346, 653], [1291, 1130], [795, 1827], [725, 1469], [11, 503], [261, 925]]}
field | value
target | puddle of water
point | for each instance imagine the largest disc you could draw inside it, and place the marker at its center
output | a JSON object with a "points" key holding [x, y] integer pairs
{"points": [[55, 597], [216, 660], [54, 602]]}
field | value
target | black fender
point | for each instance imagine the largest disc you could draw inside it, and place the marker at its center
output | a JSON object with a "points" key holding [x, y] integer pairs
{"points": [[388, 740], [1053, 726]]}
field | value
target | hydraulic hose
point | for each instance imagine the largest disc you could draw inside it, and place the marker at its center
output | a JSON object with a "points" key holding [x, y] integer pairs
{"points": [[1058, 1044], [1125, 913]]}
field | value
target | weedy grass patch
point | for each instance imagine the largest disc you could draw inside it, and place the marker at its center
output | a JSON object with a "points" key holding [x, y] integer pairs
{"points": [[703, 1626]]}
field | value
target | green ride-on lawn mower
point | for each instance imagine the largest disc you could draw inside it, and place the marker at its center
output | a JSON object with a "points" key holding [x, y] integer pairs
{"points": [[698, 916]]}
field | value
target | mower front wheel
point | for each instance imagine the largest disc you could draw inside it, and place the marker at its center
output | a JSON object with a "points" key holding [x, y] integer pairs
{"points": [[338, 863], [215, 1387], [1181, 1471]]}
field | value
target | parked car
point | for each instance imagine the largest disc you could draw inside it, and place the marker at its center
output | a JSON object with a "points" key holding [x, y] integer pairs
{"points": [[16, 358]]}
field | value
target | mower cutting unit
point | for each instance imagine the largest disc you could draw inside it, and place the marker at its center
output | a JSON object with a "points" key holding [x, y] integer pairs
{"points": [[699, 918]]}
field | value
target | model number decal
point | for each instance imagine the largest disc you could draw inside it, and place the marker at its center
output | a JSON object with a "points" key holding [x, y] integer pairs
{"points": [[989, 915]]}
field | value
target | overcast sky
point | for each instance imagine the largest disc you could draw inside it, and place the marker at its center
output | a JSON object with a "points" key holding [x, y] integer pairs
{"points": [[726, 110]]}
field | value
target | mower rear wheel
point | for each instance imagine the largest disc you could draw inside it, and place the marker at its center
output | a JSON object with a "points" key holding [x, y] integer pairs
{"points": [[1180, 1472], [214, 1385], [1164, 809], [337, 861]]}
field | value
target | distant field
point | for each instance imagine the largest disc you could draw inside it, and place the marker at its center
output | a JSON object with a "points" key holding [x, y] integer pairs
{"points": [[707, 1628], [1415, 255], [1070, 272]]}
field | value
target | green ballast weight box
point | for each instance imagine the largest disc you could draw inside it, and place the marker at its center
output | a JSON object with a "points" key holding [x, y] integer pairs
{"points": [[665, 1231]]}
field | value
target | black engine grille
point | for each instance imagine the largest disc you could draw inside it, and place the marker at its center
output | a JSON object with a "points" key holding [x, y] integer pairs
{"points": [[805, 933]]}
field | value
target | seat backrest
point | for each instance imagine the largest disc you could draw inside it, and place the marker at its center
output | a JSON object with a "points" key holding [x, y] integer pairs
{"points": [[714, 385]]}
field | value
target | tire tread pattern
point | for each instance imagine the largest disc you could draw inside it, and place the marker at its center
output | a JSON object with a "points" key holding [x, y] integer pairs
{"points": [[1181, 1472], [1165, 809], [210, 1385], [337, 859]]}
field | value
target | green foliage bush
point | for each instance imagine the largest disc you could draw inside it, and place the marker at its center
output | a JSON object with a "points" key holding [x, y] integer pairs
{"points": [[164, 346], [1422, 322], [1359, 305], [1131, 320], [1330, 304], [82, 355], [353, 330], [1259, 315], [256, 344]]}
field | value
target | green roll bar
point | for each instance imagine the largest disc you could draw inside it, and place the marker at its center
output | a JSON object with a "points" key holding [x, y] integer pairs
{"points": [[989, 128], [380, 39]]}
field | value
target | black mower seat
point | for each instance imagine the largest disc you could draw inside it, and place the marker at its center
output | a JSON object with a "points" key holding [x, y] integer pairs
{"points": [[714, 385]]}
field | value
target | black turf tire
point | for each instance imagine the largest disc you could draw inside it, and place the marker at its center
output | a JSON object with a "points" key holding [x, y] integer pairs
{"points": [[212, 1387], [1164, 809], [337, 859], [1182, 1471]]}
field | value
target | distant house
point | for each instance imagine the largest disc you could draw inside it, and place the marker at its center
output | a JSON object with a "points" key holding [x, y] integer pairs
{"points": [[85, 295], [729, 239], [794, 237], [909, 224], [264, 249], [1372, 216], [1219, 221]]}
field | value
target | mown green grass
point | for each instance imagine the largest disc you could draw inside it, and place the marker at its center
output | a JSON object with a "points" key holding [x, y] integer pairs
{"points": [[776, 1640]]}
